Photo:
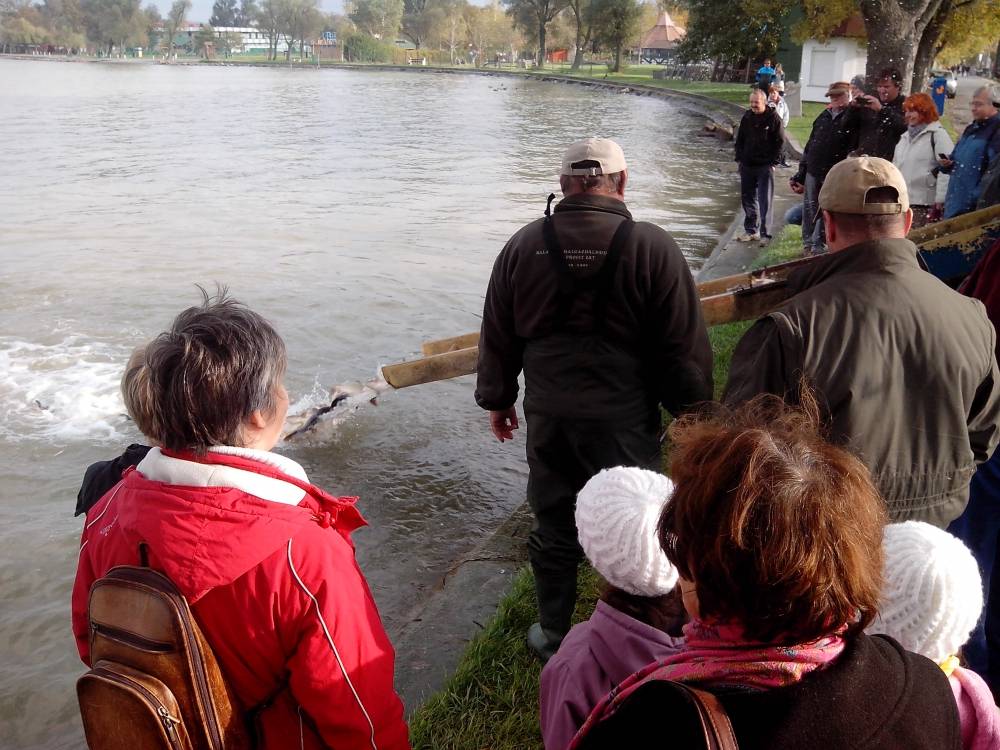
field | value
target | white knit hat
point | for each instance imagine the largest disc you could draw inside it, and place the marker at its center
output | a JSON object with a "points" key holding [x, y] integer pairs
{"points": [[616, 516], [933, 594]]}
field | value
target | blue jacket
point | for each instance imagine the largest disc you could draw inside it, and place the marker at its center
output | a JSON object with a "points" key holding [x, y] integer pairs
{"points": [[980, 142]]}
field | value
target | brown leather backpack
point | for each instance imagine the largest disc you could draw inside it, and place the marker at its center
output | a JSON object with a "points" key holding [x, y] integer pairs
{"points": [[154, 682]]}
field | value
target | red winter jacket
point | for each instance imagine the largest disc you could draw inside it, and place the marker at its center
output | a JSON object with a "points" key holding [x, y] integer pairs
{"points": [[266, 562]]}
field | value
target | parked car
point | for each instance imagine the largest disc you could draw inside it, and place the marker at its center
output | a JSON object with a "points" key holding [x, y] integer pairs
{"points": [[950, 81]]}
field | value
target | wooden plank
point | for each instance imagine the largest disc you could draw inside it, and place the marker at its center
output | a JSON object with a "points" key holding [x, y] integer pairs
{"points": [[452, 344], [429, 369]]}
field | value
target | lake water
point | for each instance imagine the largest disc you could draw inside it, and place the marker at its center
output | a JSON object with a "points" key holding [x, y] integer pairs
{"points": [[359, 211]]}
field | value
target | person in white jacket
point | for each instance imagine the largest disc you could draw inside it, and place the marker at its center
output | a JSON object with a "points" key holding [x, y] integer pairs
{"points": [[916, 157]]}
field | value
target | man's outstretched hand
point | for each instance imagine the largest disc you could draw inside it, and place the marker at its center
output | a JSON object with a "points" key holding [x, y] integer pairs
{"points": [[503, 423]]}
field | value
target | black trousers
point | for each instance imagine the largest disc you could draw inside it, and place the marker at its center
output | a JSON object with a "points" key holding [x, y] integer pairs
{"points": [[756, 193], [562, 455]]}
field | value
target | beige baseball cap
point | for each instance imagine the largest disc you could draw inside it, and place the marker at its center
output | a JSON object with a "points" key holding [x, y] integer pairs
{"points": [[609, 157], [848, 183]]}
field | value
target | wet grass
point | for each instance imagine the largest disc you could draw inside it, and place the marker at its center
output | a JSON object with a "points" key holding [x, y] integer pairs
{"points": [[491, 701]]}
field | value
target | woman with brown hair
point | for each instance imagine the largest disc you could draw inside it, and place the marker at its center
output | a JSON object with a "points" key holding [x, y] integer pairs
{"points": [[777, 536], [916, 157], [264, 557]]}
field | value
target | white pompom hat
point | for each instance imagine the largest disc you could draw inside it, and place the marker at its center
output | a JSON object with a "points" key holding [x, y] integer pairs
{"points": [[616, 516], [933, 593]]}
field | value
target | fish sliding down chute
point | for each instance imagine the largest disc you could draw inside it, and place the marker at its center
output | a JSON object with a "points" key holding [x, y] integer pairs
{"points": [[343, 394]]}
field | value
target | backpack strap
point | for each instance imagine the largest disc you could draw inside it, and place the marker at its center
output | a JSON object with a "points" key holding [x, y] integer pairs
{"points": [[715, 724]]}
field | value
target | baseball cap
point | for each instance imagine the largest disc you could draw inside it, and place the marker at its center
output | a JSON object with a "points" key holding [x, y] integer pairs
{"points": [[848, 183], [605, 152], [838, 87]]}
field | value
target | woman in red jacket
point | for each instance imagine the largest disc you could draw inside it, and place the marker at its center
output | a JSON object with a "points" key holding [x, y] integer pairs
{"points": [[263, 557]]}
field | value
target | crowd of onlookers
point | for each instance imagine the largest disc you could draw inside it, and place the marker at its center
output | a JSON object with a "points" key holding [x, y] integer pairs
{"points": [[945, 179], [794, 577]]}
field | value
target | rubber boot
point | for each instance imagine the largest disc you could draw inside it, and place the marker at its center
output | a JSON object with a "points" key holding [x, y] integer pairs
{"points": [[556, 601]]}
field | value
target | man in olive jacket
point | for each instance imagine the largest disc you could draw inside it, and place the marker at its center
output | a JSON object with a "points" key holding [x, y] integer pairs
{"points": [[603, 316], [904, 365]]}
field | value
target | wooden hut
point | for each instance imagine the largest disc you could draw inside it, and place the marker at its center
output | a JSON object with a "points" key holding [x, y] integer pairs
{"points": [[659, 44]]}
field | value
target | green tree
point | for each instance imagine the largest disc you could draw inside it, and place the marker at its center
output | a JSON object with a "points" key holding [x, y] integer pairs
{"points": [[174, 21], [300, 20], [615, 23], [247, 13], [748, 33], [534, 16], [269, 17], [114, 23], [64, 21], [204, 40], [229, 41], [224, 13], [379, 18], [583, 18]]}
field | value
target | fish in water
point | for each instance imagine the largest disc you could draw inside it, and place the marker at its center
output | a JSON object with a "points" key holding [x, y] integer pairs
{"points": [[356, 391]]}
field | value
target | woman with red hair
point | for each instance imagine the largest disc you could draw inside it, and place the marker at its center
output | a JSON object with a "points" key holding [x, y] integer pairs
{"points": [[916, 157]]}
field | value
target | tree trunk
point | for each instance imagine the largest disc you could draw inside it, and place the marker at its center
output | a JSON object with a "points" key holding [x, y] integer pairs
{"points": [[541, 42], [895, 28], [928, 47], [618, 58], [578, 54], [996, 62]]}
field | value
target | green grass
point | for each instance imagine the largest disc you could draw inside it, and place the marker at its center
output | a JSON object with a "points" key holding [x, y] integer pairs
{"points": [[491, 701], [800, 127], [736, 93]]}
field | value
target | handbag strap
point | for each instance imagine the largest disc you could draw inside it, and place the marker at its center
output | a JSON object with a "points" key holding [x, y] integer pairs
{"points": [[715, 724]]}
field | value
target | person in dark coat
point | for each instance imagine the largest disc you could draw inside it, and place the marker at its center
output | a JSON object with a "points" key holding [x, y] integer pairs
{"points": [[834, 135], [903, 365], [880, 131], [603, 316], [975, 150], [759, 141], [979, 525], [777, 536]]}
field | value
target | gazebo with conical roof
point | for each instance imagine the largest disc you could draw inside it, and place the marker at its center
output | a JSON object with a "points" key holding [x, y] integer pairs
{"points": [[659, 44]]}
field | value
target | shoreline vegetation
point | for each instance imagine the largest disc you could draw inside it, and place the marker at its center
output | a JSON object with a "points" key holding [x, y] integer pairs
{"points": [[491, 700], [730, 93]]}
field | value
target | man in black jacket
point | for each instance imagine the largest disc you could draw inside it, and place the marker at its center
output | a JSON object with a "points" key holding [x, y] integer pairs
{"points": [[603, 316], [879, 133], [834, 135], [759, 140]]}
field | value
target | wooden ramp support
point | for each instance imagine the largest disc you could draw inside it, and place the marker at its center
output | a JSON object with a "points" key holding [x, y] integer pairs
{"points": [[450, 364], [742, 296]]}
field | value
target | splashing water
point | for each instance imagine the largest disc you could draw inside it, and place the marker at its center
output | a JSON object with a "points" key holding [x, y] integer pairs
{"points": [[62, 391], [308, 417]]}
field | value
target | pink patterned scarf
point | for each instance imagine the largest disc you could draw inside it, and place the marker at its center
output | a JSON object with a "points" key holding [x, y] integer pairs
{"points": [[718, 656]]}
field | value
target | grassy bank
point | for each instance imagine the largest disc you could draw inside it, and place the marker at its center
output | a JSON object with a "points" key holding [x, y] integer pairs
{"points": [[491, 701]]}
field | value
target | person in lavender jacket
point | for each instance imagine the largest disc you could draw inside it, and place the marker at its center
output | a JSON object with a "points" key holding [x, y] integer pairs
{"points": [[931, 600], [638, 618]]}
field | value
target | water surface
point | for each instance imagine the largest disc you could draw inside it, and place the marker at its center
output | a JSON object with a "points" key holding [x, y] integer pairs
{"points": [[359, 211]]}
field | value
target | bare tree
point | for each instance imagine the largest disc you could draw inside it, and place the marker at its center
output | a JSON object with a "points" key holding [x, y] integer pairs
{"points": [[174, 21]]}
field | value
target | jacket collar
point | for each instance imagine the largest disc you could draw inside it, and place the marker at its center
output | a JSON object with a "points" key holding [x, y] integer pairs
{"points": [[864, 257], [593, 202], [187, 470]]}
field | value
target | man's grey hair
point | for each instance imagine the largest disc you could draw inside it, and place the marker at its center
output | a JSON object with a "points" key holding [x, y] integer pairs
{"points": [[992, 91], [600, 183]]}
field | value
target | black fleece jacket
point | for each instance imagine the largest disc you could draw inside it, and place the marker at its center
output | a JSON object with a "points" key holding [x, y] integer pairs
{"points": [[759, 139], [650, 346]]}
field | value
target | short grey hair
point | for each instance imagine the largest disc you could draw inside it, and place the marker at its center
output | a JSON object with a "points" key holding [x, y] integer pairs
{"points": [[199, 382], [992, 91], [598, 183]]}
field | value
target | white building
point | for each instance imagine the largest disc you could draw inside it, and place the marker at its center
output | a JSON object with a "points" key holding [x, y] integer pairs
{"points": [[840, 58], [255, 40]]}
